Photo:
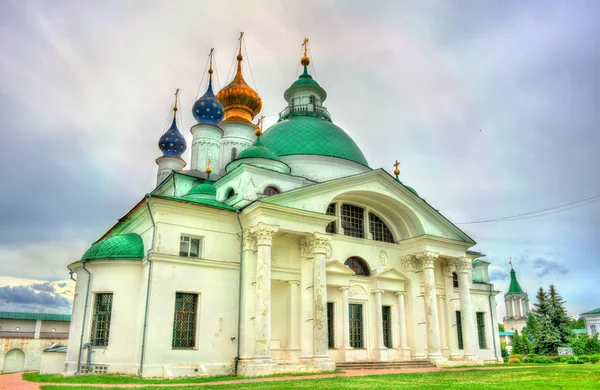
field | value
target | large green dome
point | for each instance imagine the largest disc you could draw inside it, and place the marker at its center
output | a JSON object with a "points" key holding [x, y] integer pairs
{"points": [[123, 246], [311, 135]]}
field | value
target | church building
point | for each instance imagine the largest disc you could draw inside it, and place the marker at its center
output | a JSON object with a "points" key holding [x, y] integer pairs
{"points": [[277, 251], [517, 305]]}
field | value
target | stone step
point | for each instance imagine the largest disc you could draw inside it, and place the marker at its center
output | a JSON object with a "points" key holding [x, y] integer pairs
{"points": [[371, 365]]}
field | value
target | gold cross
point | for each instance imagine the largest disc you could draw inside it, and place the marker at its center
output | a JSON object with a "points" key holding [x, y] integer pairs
{"points": [[396, 164], [260, 122], [304, 45], [176, 95]]}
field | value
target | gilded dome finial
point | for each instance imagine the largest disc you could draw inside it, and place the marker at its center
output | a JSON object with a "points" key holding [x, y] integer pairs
{"points": [[305, 60], [175, 106], [397, 170], [259, 126], [208, 169]]}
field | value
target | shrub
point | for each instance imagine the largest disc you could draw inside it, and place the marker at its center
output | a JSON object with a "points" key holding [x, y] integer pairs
{"points": [[517, 356], [594, 359], [514, 360], [584, 358], [574, 361], [542, 360]]}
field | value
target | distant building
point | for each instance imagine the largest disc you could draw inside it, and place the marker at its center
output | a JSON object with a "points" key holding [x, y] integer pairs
{"points": [[517, 305], [592, 321], [23, 337]]}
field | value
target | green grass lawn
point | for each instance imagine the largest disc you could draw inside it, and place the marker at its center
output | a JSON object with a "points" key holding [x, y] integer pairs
{"points": [[585, 376]]}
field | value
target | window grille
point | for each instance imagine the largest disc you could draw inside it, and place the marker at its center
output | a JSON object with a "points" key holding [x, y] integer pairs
{"points": [[357, 265], [271, 191], [330, 211], [454, 279], [386, 315], [459, 330], [379, 229], [481, 330], [189, 247], [330, 325], [233, 153], [353, 220], [356, 326], [184, 323], [101, 319]]}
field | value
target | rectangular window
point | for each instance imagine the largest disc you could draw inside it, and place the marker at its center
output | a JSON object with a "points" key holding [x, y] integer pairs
{"points": [[330, 324], [356, 326], [454, 279], [593, 329], [330, 211], [190, 247], [459, 330], [184, 324], [101, 319], [481, 330], [387, 326], [353, 220]]}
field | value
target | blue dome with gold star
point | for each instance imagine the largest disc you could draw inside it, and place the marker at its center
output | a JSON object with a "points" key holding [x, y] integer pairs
{"points": [[172, 143], [208, 110]]}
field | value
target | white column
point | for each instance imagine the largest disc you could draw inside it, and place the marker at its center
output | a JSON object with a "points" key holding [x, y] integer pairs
{"points": [[346, 315], [38, 329], [463, 267], [262, 342], [518, 306], [293, 328], [431, 311], [450, 312], [417, 331], [379, 317], [402, 343], [320, 342], [508, 304], [306, 298]]}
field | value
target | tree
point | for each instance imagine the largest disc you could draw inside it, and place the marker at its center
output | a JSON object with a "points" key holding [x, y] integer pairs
{"points": [[584, 344], [528, 346], [500, 327], [549, 338], [541, 309], [532, 328], [558, 314], [517, 344], [577, 324]]}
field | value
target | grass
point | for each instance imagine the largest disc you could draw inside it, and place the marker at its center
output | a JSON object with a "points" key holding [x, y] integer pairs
{"points": [[112, 379], [546, 377]]}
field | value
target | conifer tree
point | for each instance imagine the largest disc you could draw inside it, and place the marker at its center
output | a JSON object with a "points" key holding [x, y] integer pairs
{"points": [[549, 339], [558, 314], [532, 329], [517, 346]]}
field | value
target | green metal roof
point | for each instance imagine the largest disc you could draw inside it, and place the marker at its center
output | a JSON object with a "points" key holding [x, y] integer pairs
{"points": [[123, 246], [506, 333], [412, 190], [305, 82], [56, 348], [308, 135], [514, 287], [258, 150], [206, 188], [7, 315], [578, 331], [203, 202], [595, 311]]}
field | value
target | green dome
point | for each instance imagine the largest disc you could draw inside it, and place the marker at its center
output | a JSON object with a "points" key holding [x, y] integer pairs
{"points": [[412, 190], [311, 135], [206, 188], [305, 82], [123, 246], [258, 150]]}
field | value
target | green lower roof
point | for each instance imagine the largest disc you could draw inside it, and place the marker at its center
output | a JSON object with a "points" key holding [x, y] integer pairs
{"points": [[595, 311], [123, 246], [7, 315], [203, 202], [309, 135]]}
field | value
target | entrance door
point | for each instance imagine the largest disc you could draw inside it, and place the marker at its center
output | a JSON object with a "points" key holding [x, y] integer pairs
{"points": [[14, 361]]}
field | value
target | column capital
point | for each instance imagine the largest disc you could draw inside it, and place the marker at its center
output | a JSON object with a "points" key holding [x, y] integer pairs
{"points": [[291, 282], [400, 294], [378, 291], [318, 243], [463, 265], [249, 239], [344, 288], [409, 263], [263, 232], [427, 258], [448, 267]]}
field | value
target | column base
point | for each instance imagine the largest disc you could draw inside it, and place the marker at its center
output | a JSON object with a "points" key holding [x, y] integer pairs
{"points": [[435, 357], [257, 366], [293, 353], [404, 353], [322, 363]]}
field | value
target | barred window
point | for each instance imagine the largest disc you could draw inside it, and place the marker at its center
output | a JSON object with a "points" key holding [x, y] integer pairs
{"points": [[330, 325], [387, 326], [379, 229], [270, 190], [454, 279], [330, 211], [233, 153], [101, 319], [189, 246], [353, 220], [481, 330], [459, 330], [356, 326], [358, 265], [184, 323]]}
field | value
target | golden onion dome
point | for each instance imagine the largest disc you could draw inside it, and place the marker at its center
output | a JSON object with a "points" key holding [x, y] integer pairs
{"points": [[240, 102]]}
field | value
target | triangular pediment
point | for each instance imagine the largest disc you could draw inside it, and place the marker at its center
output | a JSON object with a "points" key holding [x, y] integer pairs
{"points": [[391, 274], [383, 195], [337, 267]]}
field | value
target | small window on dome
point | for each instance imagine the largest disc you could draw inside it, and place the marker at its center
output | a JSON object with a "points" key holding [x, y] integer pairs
{"points": [[270, 190], [230, 193], [312, 99], [233, 154]]}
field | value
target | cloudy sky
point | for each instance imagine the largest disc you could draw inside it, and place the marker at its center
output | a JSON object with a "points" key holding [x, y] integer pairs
{"points": [[491, 107]]}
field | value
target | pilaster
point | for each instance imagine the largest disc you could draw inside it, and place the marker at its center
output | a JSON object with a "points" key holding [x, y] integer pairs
{"points": [[431, 311], [402, 342]]}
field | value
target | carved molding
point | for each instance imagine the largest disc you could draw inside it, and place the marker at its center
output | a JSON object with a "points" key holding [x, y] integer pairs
{"points": [[318, 243], [448, 267], [358, 292], [463, 265], [383, 257], [409, 264], [249, 239], [427, 259], [264, 233]]}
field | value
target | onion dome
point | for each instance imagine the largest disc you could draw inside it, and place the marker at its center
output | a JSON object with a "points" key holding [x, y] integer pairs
{"points": [[122, 247], [172, 143], [258, 150], [240, 102], [208, 110], [206, 190]]}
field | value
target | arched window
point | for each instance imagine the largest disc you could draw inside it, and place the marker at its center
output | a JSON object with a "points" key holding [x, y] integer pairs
{"points": [[353, 220], [358, 265], [379, 229], [270, 190], [230, 193], [233, 153], [312, 99]]}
